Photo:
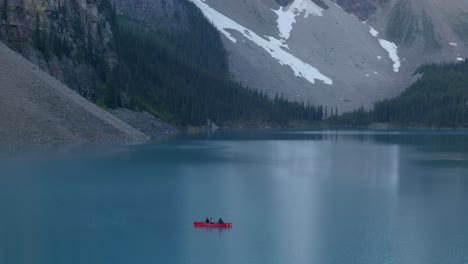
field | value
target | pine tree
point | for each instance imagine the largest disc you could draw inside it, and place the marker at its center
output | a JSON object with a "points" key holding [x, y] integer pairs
{"points": [[37, 32], [4, 11]]}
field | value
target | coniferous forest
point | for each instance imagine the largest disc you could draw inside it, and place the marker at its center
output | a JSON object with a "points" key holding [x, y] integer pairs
{"points": [[438, 99], [183, 77]]}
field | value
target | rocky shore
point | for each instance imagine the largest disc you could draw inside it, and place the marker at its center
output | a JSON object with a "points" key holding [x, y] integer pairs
{"points": [[146, 123]]}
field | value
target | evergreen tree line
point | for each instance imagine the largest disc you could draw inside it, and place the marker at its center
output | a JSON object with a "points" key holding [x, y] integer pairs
{"points": [[438, 99], [4, 11], [182, 76], [161, 78]]}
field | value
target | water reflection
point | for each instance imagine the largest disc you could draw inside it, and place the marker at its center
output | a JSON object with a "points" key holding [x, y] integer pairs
{"points": [[316, 197]]}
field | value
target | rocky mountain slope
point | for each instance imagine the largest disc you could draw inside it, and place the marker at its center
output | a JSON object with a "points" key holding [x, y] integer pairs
{"points": [[345, 52], [425, 30], [306, 52], [35, 108]]}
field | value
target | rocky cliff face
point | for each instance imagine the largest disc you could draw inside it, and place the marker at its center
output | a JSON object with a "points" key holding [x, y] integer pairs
{"points": [[59, 36], [164, 13], [363, 9]]}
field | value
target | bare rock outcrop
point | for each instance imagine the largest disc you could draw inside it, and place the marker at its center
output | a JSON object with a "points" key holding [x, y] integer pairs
{"points": [[60, 36]]}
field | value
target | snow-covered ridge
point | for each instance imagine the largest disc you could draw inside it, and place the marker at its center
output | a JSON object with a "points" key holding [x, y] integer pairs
{"points": [[273, 46], [287, 15], [390, 47]]}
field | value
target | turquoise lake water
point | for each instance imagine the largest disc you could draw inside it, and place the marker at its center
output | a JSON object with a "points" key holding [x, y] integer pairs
{"points": [[292, 196]]}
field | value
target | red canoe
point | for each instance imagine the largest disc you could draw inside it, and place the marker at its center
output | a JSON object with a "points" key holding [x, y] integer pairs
{"points": [[203, 224]]}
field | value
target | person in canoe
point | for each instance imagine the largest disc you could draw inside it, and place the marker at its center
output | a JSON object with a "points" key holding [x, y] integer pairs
{"points": [[220, 221], [211, 220], [207, 220]]}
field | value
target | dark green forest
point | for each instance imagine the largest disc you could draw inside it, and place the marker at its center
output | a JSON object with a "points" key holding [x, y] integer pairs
{"points": [[180, 76], [186, 87], [183, 77], [438, 99]]}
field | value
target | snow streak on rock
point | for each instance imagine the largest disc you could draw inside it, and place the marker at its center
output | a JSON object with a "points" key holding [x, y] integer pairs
{"points": [[390, 47], [287, 15], [273, 46]]}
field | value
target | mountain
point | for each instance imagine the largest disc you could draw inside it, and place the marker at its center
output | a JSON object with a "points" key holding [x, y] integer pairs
{"points": [[183, 78], [438, 99], [65, 38], [425, 31], [346, 53], [172, 64], [236, 63], [35, 108]]}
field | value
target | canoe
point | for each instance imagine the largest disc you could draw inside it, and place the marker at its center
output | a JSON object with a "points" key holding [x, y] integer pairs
{"points": [[203, 224]]}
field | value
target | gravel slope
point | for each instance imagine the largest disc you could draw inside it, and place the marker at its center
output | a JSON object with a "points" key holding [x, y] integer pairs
{"points": [[35, 108], [146, 123]]}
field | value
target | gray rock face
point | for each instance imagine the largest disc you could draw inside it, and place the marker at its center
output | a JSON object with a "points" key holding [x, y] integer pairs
{"points": [[70, 25], [425, 30], [21, 18]]}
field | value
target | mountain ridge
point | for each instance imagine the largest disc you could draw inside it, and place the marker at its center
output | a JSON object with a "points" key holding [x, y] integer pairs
{"points": [[359, 56]]}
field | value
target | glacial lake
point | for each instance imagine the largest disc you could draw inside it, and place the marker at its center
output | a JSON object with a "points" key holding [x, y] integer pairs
{"points": [[293, 197]]}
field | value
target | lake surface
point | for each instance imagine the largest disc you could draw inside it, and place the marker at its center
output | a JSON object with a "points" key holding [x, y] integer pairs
{"points": [[293, 197]]}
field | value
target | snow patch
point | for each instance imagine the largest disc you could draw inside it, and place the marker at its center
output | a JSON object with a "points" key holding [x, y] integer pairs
{"points": [[460, 59], [287, 15], [374, 32], [453, 44], [390, 47], [271, 45], [379, 57], [392, 50]]}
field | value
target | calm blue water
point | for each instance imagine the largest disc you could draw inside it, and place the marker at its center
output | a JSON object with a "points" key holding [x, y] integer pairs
{"points": [[294, 197]]}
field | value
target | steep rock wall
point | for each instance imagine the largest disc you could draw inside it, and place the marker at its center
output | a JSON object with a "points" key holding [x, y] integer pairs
{"points": [[60, 36]]}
